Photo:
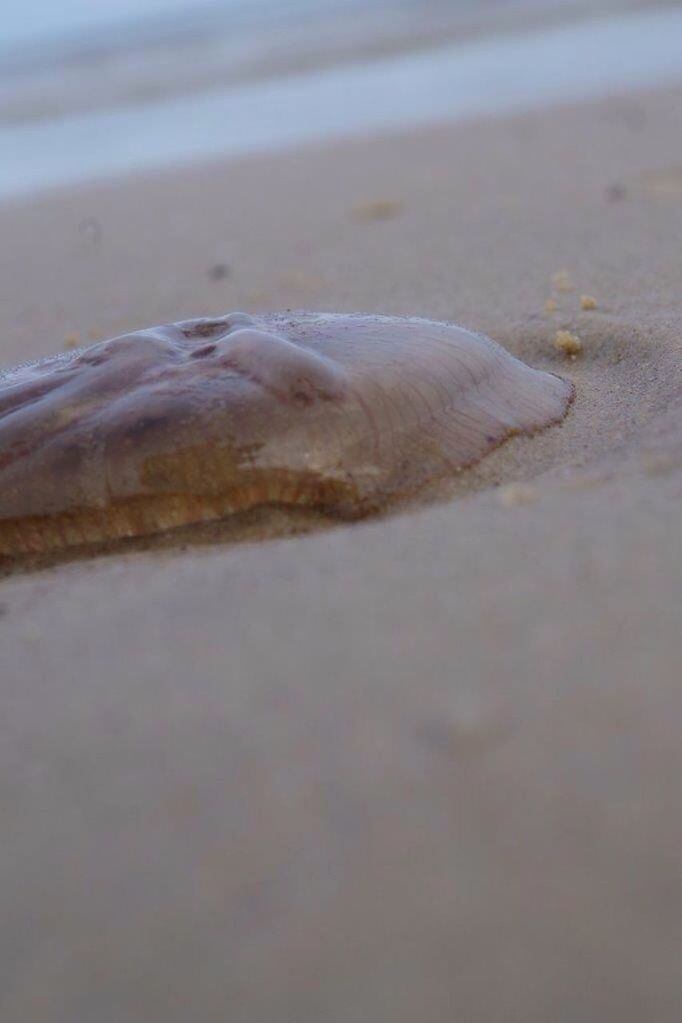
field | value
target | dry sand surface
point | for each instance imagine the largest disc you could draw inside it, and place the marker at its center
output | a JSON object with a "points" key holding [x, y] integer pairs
{"points": [[425, 767]]}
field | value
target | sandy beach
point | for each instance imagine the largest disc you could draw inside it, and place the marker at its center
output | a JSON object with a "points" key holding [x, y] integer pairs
{"points": [[424, 767]]}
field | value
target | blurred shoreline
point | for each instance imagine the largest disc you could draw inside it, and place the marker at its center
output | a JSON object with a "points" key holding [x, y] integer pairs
{"points": [[454, 81], [157, 58]]}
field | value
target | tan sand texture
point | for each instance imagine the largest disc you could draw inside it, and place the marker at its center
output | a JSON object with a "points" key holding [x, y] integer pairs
{"points": [[421, 768]]}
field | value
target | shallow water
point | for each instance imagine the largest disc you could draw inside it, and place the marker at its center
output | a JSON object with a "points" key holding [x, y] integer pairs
{"points": [[453, 82], [41, 21]]}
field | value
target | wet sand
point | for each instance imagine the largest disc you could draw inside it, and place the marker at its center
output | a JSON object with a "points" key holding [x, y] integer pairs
{"points": [[423, 767]]}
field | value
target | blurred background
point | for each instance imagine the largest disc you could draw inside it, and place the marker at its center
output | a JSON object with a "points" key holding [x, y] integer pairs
{"points": [[242, 75], [85, 54]]}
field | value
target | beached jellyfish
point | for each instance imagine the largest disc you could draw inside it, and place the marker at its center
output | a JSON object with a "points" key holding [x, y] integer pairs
{"points": [[193, 421]]}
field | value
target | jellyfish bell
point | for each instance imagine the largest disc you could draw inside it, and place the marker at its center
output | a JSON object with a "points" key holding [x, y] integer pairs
{"points": [[191, 422]]}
